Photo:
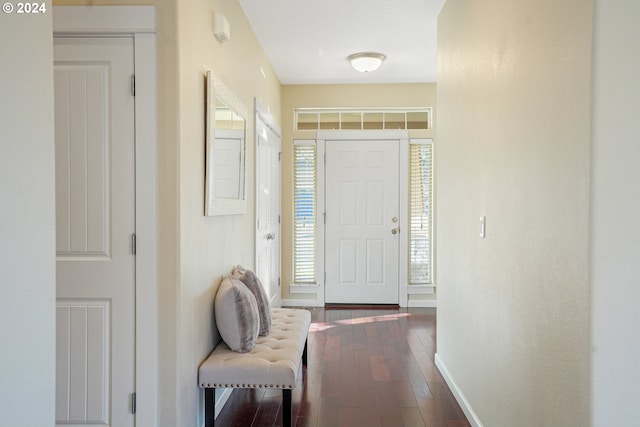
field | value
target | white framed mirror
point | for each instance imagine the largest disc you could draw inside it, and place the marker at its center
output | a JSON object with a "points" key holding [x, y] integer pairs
{"points": [[225, 171]]}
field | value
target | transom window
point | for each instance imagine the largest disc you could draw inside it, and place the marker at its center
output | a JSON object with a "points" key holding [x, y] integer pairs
{"points": [[362, 119]]}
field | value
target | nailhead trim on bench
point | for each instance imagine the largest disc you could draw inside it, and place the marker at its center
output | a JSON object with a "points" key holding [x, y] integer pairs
{"points": [[244, 386]]}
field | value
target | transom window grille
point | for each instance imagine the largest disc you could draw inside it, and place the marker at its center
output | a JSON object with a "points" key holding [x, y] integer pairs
{"points": [[362, 119], [420, 211], [304, 213]]}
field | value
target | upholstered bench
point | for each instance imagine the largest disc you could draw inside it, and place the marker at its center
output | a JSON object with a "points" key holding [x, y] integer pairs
{"points": [[273, 363]]}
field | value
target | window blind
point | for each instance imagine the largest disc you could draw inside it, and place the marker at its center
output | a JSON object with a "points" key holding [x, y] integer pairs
{"points": [[304, 205], [420, 211]]}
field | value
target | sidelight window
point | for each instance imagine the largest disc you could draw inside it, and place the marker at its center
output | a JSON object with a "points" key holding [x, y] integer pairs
{"points": [[420, 212], [304, 212]]}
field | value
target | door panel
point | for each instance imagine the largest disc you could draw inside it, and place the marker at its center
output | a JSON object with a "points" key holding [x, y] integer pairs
{"points": [[362, 184], [95, 219], [268, 210], [82, 389], [82, 144]]}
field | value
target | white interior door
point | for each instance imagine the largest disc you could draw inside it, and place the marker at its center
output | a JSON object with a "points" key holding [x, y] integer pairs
{"points": [[362, 214], [268, 209], [95, 214]]}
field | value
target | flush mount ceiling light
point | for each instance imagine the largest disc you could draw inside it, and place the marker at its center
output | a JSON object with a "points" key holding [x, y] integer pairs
{"points": [[366, 61]]}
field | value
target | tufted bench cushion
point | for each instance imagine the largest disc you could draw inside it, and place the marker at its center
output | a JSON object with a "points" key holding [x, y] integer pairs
{"points": [[273, 363]]}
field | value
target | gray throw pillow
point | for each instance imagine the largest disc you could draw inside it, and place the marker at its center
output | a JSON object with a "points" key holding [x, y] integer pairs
{"points": [[252, 282], [237, 316]]}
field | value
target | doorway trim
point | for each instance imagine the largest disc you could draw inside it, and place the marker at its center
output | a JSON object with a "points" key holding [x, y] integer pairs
{"points": [[138, 22], [370, 135], [263, 116]]}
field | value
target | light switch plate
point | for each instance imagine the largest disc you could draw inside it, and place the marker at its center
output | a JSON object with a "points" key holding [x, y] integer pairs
{"points": [[483, 228]]}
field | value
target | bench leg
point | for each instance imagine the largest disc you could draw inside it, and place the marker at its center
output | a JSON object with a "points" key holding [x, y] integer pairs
{"points": [[304, 354], [286, 407], [209, 407]]}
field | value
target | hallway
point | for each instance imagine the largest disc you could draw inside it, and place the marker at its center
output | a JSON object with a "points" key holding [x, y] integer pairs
{"points": [[367, 368]]}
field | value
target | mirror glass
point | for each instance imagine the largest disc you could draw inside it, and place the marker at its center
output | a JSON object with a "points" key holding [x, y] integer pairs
{"points": [[225, 175]]}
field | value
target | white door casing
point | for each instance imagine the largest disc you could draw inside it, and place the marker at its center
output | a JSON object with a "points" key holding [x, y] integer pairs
{"points": [[268, 171], [95, 222], [362, 206]]}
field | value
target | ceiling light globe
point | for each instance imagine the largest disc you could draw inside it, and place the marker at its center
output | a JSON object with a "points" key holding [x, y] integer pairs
{"points": [[366, 61]]}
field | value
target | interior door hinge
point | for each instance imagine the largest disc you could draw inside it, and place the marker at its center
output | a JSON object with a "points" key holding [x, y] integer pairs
{"points": [[133, 244], [133, 403], [280, 156], [278, 282], [133, 84]]}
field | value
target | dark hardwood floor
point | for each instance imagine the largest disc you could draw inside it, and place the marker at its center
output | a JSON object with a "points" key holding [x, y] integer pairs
{"points": [[367, 368]]}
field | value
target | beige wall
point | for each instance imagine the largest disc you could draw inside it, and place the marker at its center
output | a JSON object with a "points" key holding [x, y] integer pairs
{"points": [[27, 221], [513, 125], [210, 246], [334, 96], [615, 270]]}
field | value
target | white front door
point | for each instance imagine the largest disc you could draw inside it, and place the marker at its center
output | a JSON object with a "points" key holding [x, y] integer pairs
{"points": [[362, 214], [95, 214], [268, 209]]}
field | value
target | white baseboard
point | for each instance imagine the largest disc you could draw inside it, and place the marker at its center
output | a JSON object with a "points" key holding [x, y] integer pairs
{"points": [[292, 302], [304, 289], [458, 394], [300, 303], [423, 303], [421, 289]]}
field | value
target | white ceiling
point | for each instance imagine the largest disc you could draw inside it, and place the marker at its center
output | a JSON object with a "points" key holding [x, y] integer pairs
{"points": [[308, 41]]}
